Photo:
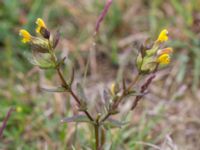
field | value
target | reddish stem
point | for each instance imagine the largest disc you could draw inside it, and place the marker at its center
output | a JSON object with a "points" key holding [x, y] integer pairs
{"points": [[102, 15], [5, 121]]}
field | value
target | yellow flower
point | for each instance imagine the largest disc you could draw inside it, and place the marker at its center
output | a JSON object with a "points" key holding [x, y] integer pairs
{"points": [[40, 24], [164, 59], [112, 89], [163, 36], [18, 109], [26, 36]]}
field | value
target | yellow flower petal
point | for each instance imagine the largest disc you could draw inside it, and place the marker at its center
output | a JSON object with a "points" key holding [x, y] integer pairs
{"points": [[26, 36], [40, 23], [164, 59], [163, 36]]}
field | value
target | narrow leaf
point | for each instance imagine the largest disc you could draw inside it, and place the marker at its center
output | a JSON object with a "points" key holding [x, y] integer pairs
{"points": [[76, 118], [54, 89], [112, 123], [135, 93]]}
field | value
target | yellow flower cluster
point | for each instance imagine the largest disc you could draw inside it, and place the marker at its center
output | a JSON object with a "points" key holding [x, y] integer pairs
{"points": [[164, 54], [26, 36], [148, 59]]}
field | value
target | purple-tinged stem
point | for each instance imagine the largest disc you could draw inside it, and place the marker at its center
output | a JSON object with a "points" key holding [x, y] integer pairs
{"points": [[102, 15], [5, 121]]}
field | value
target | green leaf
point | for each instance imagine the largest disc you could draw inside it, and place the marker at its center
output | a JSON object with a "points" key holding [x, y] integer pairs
{"points": [[76, 118], [54, 89], [112, 123]]}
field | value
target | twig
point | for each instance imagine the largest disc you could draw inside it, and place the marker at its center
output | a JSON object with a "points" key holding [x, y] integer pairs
{"points": [[64, 82], [144, 87], [5, 121], [102, 15]]}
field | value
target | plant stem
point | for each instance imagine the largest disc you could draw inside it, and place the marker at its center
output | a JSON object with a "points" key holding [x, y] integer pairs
{"points": [[96, 129], [5, 121], [105, 117], [134, 81], [64, 82], [88, 115]]}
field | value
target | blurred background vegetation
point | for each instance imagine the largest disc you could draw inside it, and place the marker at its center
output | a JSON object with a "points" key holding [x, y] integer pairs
{"points": [[167, 117]]}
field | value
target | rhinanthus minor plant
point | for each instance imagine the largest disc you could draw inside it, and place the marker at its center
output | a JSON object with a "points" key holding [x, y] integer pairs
{"points": [[148, 61]]}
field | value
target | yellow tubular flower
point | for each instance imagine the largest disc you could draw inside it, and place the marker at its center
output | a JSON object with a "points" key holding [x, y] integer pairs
{"points": [[164, 59], [26, 36], [163, 36], [40, 24], [167, 50]]}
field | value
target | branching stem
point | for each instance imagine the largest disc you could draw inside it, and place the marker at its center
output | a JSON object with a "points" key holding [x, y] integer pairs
{"points": [[124, 93], [64, 82]]}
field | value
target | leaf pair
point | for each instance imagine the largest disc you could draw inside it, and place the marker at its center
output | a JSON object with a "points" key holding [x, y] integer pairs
{"points": [[109, 123]]}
